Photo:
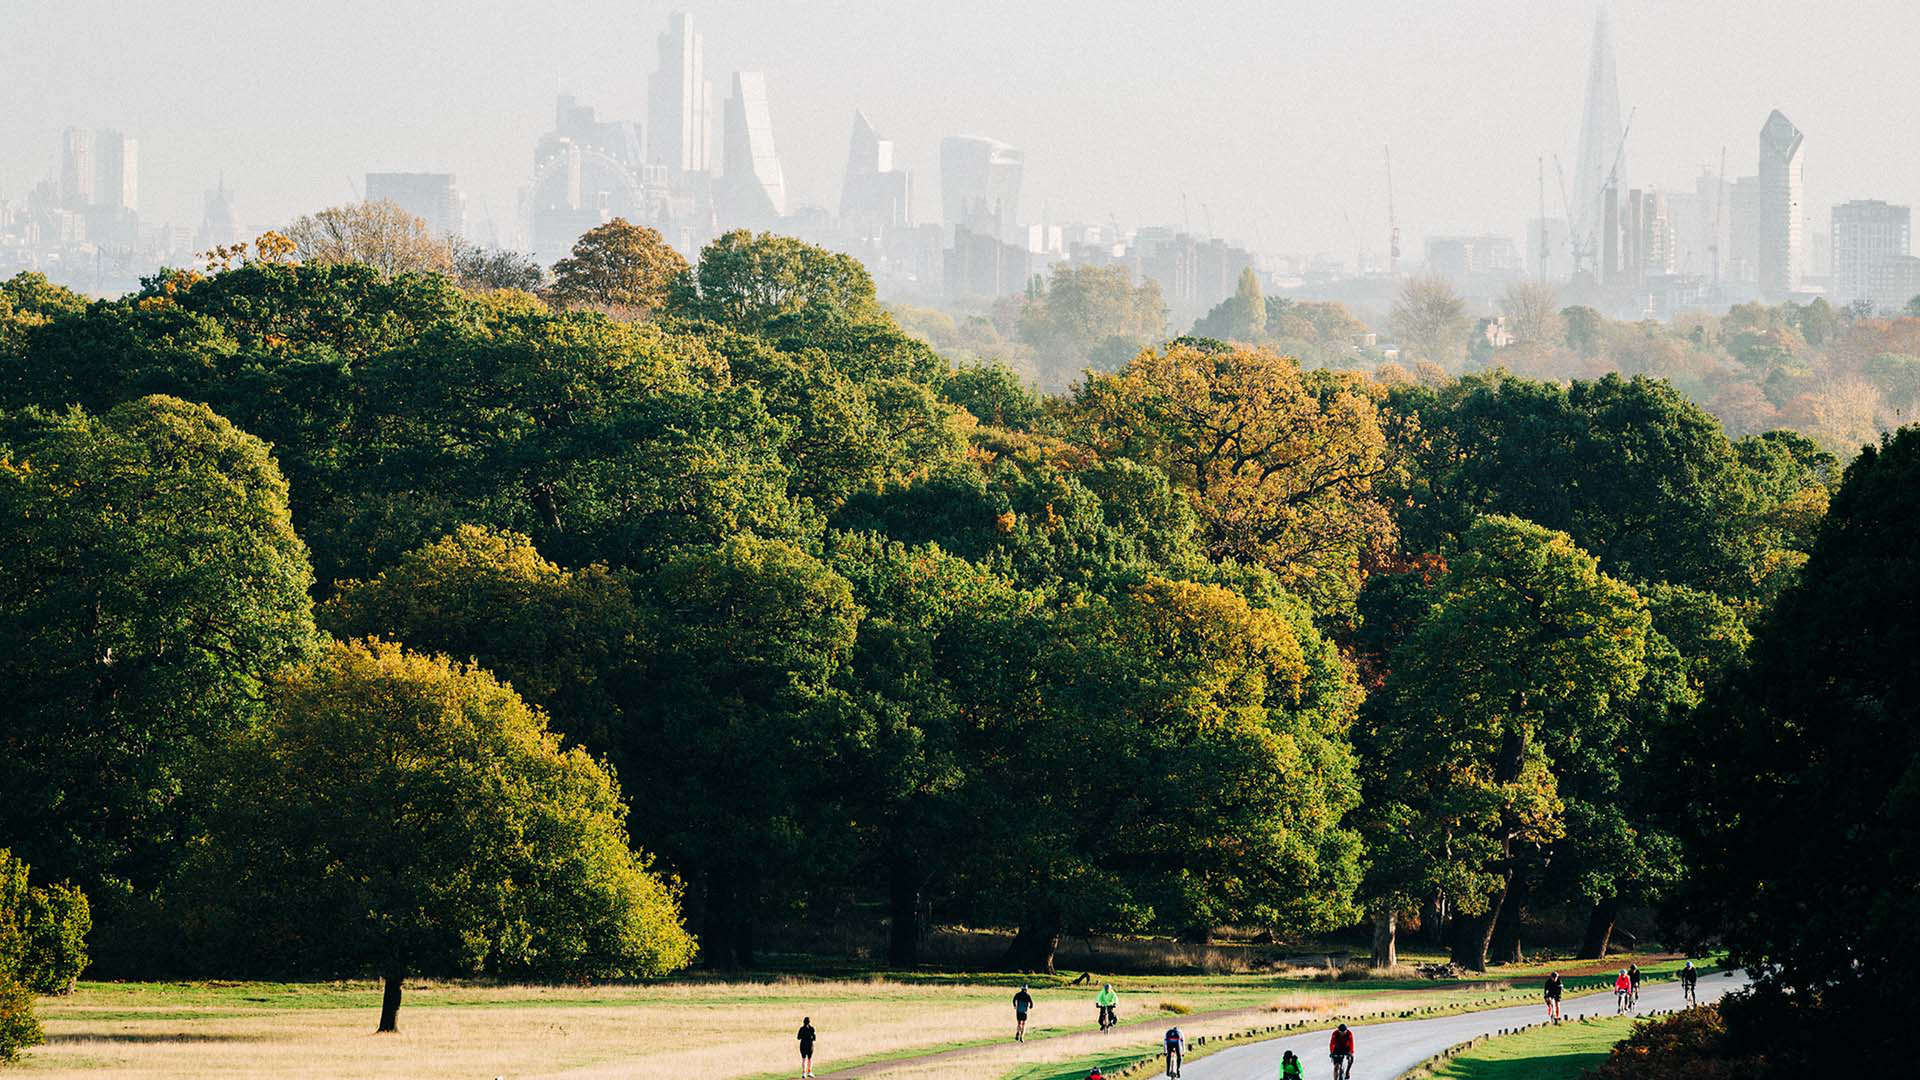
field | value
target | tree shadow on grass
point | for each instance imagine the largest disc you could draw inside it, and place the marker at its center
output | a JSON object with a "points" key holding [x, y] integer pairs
{"points": [[1551, 1067], [147, 1038]]}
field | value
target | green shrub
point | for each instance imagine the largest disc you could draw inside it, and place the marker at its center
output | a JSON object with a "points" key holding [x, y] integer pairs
{"points": [[1175, 1007], [58, 919], [18, 1027]]}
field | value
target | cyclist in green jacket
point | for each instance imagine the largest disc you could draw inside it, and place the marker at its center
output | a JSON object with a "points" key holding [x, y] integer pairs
{"points": [[1290, 1067], [1107, 1002]]}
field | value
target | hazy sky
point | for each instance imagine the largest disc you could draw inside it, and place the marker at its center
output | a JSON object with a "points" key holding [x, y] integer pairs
{"points": [[1272, 114]]}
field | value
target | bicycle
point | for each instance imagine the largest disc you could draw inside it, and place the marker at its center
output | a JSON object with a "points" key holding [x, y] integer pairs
{"points": [[1342, 1066]]}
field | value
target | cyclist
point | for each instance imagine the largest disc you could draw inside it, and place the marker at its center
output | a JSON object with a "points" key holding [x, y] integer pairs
{"points": [[1633, 978], [1340, 1049], [1553, 991], [1290, 1067], [1622, 991], [1690, 982], [1022, 1002], [1176, 1049], [1108, 1003]]}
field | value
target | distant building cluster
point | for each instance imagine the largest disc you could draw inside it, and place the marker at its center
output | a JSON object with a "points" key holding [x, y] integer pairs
{"points": [[706, 160]]}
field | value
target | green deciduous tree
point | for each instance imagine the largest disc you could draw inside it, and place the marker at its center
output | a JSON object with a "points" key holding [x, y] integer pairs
{"points": [[745, 282], [1526, 645], [407, 815], [570, 642], [1804, 777], [1240, 317], [153, 584], [736, 746], [1179, 758], [620, 267], [1091, 315]]}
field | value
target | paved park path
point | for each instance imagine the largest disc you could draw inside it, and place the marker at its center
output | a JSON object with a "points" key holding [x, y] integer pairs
{"points": [[1384, 1051]]}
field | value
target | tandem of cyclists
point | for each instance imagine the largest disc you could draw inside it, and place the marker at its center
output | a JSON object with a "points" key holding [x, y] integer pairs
{"points": [[1106, 1008]]}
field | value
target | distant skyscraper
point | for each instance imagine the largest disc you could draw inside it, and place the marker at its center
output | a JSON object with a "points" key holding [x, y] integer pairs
{"points": [[1600, 142], [980, 184], [1867, 233], [1781, 238], [218, 223], [431, 197], [1742, 263], [754, 184], [679, 101], [77, 169], [116, 171], [875, 195]]}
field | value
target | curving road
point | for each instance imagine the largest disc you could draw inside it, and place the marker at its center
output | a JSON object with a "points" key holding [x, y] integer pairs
{"points": [[1384, 1051]]}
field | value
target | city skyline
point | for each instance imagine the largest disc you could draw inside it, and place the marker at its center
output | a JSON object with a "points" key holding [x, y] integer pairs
{"points": [[1123, 160]]}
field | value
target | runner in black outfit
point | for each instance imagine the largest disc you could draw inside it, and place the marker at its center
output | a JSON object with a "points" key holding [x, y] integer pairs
{"points": [[1554, 989], [806, 1038]]}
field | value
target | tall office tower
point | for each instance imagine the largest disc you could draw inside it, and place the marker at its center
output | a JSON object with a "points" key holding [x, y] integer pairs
{"points": [[1782, 244], [980, 184], [1743, 230], [680, 102], [875, 195], [754, 184], [1866, 234], [77, 169], [1601, 137], [431, 197], [116, 171]]}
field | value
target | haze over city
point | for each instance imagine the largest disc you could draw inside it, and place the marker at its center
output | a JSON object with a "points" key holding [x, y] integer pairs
{"points": [[1270, 116]]}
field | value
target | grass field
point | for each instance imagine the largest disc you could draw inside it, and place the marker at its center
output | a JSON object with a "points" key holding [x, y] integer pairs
{"points": [[1546, 1053], [688, 1027]]}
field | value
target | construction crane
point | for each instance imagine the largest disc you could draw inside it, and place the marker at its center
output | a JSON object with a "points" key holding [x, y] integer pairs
{"points": [[1576, 246], [1393, 224], [1582, 245], [1546, 244]]}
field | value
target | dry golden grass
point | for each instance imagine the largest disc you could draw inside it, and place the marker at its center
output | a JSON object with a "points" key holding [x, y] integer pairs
{"points": [[689, 1029]]}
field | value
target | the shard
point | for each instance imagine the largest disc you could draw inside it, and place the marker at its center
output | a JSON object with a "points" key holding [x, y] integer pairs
{"points": [[1601, 135]]}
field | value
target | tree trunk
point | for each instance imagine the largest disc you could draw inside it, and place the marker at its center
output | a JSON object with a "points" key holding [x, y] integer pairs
{"points": [[1386, 945], [390, 1002], [1600, 928], [1505, 948], [906, 888], [1433, 919], [1035, 943], [1473, 937], [726, 931]]}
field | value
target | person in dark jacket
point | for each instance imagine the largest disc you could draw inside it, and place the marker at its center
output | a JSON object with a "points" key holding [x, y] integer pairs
{"points": [[806, 1037]]}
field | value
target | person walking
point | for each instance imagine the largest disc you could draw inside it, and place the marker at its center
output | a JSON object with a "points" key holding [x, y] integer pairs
{"points": [[1290, 1067], [1340, 1049], [1108, 1003], [1176, 1045], [1554, 989], [1022, 1004], [1690, 983], [806, 1037]]}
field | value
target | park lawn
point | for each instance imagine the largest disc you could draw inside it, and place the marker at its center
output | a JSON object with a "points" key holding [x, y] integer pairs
{"points": [[739, 1028], [1561, 1052]]}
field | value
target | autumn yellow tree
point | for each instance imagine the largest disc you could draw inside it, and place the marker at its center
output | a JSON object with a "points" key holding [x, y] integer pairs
{"points": [[1280, 463], [620, 267]]}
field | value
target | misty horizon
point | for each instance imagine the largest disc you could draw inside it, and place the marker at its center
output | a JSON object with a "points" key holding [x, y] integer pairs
{"points": [[1262, 125]]}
